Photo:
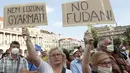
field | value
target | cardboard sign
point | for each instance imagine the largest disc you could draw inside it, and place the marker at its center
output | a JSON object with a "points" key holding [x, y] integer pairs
{"points": [[87, 12], [25, 15]]}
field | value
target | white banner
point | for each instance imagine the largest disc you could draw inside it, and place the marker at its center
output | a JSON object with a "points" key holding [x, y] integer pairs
{"points": [[87, 12], [22, 15]]}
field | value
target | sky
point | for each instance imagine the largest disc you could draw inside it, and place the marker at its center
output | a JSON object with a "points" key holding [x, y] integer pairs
{"points": [[121, 10]]}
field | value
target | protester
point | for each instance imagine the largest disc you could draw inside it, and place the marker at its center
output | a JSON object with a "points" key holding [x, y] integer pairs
{"points": [[25, 53], [66, 52], [44, 56], [31, 66], [42, 66], [13, 63], [4, 55], [76, 66], [119, 65], [21, 53], [1, 52], [118, 50], [57, 60], [80, 49], [100, 61]]}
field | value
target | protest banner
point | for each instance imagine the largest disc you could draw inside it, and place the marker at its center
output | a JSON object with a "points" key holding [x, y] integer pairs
{"points": [[85, 12], [22, 15]]}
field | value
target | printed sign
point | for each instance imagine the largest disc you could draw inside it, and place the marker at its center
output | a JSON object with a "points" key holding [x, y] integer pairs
{"points": [[87, 12], [25, 15]]}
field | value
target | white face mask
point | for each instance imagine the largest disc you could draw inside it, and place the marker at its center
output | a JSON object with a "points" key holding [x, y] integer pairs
{"points": [[81, 57], [123, 48], [104, 69], [110, 48], [39, 53], [15, 50], [78, 58]]}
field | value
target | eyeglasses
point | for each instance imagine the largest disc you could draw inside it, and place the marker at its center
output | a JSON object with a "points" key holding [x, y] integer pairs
{"points": [[54, 55], [106, 63]]}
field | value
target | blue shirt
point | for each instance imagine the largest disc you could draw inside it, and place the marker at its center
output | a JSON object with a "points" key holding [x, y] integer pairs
{"points": [[76, 66], [31, 67]]}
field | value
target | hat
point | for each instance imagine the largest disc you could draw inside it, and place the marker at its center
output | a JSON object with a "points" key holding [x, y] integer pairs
{"points": [[75, 50]]}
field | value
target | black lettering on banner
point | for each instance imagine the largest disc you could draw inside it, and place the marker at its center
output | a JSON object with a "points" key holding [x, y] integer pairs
{"points": [[84, 5], [94, 15], [35, 18], [30, 16], [41, 17], [85, 14], [30, 9], [17, 9], [9, 10], [25, 14], [41, 8], [24, 9], [75, 7], [15, 19], [68, 17], [19, 19], [27, 9], [24, 19], [10, 19], [76, 18], [38, 8], [13, 10], [33, 8], [108, 15]]}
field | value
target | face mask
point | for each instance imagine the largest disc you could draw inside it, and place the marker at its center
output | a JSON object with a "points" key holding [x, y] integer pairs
{"points": [[77, 58], [81, 57], [123, 48], [38, 53], [15, 50], [104, 70], [110, 48]]}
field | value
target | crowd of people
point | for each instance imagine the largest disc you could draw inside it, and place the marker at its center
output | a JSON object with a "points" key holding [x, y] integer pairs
{"points": [[110, 56]]}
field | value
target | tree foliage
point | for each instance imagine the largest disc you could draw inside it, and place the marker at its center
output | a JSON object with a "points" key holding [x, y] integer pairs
{"points": [[95, 36], [127, 35]]}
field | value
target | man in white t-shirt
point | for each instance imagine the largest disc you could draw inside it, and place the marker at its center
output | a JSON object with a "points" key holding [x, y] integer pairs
{"points": [[42, 66]]}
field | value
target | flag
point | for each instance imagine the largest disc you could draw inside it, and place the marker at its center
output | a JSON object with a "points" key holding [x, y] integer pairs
{"points": [[38, 48]]}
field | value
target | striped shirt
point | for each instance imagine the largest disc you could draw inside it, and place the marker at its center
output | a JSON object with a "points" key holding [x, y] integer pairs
{"points": [[10, 65]]}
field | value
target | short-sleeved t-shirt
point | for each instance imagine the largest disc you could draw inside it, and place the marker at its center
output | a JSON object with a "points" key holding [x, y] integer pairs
{"points": [[44, 67], [68, 71]]}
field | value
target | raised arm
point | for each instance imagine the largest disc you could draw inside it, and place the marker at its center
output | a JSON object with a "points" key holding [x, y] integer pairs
{"points": [[86, 56], [31, 50]]}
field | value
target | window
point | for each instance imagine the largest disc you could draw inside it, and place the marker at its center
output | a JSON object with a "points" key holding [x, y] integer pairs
{"points": [[7, 39], [1, 40]]}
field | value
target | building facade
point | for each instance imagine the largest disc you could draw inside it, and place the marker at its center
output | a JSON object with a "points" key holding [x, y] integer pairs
{"points": [[110, 31], [69, 43]]}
